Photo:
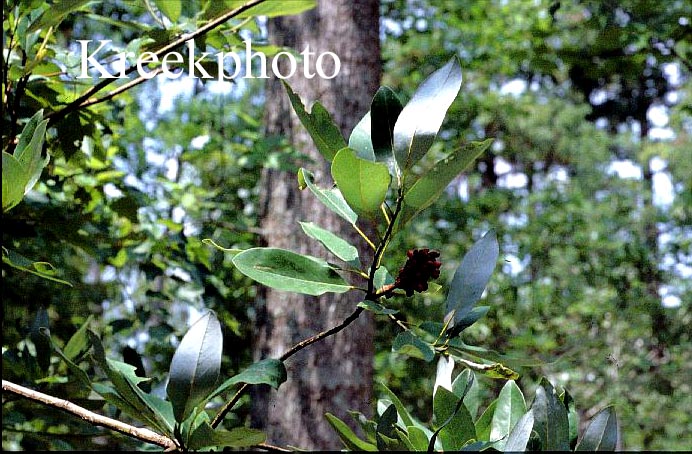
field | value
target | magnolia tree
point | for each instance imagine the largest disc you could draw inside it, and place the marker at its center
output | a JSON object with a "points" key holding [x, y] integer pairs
{"points": [[384, 176]]}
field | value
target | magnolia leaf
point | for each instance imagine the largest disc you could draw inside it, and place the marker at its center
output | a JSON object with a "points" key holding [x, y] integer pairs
{"points": [[472, 276], [127, 392], [428, 188], [335, 244], [331, 198], [420, 120], [572, 418], [268, 371], [385, 109], [271, 9], [386, 436], [602, 432], [347, 436], [363, 183], [519, 437], [484, 422], [443, 377], [319, 124], [470, 318], [550, 418], [409, 344], [360, 141], [510, 408], [455, 425], [239, 437], [376, 308], [285, 270], [195, 365]]}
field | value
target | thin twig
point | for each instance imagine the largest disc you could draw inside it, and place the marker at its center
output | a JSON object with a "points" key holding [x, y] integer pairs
{"points": [[268, 447], [317, 337], [120, 89], [140, 433], [292, 351]]}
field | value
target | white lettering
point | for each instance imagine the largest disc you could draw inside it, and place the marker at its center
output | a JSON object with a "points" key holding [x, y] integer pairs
{"points": [[142, 61], [195, 63], [220, 57], [337, 65], [284, 64], [275, 65], [249, 55], [306, 62], [90, 60], [166, 71]]}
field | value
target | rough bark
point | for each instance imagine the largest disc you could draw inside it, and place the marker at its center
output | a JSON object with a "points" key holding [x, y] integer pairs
{"points": [[334, 375]]}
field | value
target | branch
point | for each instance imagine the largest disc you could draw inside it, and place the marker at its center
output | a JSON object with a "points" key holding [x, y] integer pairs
{"points": [[140, 433], [85, 99], [292, 351], [120, 89]]}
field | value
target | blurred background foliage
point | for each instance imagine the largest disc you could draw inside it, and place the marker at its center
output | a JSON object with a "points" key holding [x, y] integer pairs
{"points": [[589, 185]]}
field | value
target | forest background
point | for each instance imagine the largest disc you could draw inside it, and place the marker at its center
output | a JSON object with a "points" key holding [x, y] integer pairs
{"points": [[588, 184]]}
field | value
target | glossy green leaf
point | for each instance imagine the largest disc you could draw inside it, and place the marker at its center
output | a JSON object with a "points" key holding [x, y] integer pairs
{"points": [[170, 8], [466, 386], [384, 110], [418, 438], [602, 432], [409, 344], [319, 124], [195, 365], [272, 8], [572, 418], [335, 244], [484, 422], [382, 277], [454, 421], [428, 188], [420, 120], [404, 443], [360, 141], [472, 276], [42, 345], [130, 396], [22, 169], [376, 308], [368, 426], [386, 435], [550, 418], [510, 408], [56, 13], [519, 437], [285, 270], [268, 371], [346, 435], [403, 413], [443, 375], [331, 198], [239, 437], [79, 342], [363, 183], [77, 371], [13, 181], [470, 318]]}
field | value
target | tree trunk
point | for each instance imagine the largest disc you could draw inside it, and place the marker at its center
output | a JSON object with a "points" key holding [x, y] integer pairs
{"points": [[334, 375]]}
